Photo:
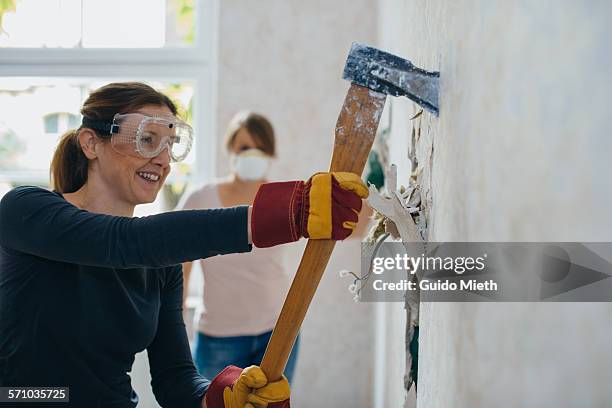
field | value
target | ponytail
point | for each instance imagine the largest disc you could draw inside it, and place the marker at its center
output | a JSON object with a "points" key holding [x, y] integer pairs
{"points": [[69, 164]]}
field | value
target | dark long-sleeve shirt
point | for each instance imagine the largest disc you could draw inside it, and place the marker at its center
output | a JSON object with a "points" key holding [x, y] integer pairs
{"points": [[82, 293]]}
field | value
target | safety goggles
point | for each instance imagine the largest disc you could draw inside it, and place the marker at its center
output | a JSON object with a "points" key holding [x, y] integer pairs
{"points": [[139, 135]]}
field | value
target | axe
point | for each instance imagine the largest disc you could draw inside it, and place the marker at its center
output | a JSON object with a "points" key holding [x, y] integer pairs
{"points": [[374, 75]]}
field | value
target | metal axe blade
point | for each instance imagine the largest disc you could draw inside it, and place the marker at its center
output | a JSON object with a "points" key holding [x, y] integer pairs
{"points": [[389, 74]]}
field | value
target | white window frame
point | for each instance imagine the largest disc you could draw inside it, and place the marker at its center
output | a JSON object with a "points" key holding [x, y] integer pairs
{"points": [[196, 64]]}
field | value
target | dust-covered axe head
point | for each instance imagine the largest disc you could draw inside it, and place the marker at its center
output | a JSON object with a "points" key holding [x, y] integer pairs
{"points": [[392, 75]]}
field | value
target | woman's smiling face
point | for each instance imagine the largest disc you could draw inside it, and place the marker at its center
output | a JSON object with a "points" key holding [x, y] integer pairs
{"points": [[134, 180]]}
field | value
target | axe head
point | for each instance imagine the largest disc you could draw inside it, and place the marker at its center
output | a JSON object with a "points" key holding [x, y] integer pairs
{"points": [[392, 75]]}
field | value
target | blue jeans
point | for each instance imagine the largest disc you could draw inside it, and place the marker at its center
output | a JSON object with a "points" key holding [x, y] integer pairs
{"points": [[212, 354]]}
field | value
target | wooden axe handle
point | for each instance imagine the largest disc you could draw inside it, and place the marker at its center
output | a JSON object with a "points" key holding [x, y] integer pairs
{"points": [[355, 132]]}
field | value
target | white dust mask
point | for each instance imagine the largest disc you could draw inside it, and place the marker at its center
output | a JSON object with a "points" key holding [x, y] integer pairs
{"points": [[251, 164]]}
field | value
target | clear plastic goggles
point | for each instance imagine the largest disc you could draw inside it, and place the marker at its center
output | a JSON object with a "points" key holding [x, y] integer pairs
{"points": [[148, 136], [136, 134]]}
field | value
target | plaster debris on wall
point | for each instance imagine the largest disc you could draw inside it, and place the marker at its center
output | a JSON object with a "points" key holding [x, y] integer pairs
{"points": [[400, 217]]}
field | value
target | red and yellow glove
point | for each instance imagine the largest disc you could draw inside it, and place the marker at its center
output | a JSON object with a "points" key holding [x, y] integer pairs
{"points": [[237, 388], [325, 207]]}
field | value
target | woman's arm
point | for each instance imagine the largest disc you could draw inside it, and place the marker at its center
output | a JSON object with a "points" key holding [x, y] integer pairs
{"points": [[174, 378], [42, 223]]}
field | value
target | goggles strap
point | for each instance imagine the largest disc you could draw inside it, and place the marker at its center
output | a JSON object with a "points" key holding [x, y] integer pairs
{"points": [[100, 125]]}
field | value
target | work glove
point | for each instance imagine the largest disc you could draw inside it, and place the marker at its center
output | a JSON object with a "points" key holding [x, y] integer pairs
{"points": [[237, 388], [324, 207]]}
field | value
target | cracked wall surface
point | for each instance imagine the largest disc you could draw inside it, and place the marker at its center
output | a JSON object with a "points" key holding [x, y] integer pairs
{"points": [[520, 152]]}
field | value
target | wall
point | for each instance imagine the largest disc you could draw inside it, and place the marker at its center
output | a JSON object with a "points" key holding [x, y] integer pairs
{"points": [[519, 153], [285, 60]]}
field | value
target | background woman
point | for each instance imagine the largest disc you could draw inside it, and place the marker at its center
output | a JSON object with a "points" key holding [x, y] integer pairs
{"points": [[84, 286], [237, 334]]}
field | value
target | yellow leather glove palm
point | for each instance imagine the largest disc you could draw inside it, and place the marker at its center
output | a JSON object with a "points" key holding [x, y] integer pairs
{"points": [[333, 204]]}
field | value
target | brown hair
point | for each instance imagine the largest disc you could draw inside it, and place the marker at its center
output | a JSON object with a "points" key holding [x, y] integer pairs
{"points": [[258, 126], [69, 165]]}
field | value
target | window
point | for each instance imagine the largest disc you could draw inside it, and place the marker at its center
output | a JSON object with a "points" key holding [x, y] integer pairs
{"points": [[11, 146], [97, 24], [58, 123], [78, 45]]}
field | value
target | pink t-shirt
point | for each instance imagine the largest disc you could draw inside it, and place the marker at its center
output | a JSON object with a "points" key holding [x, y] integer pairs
{"points": [[243, 293]]}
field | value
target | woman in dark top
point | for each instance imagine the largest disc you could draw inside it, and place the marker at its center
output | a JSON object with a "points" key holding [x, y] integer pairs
{"points": [[84, 285]]}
